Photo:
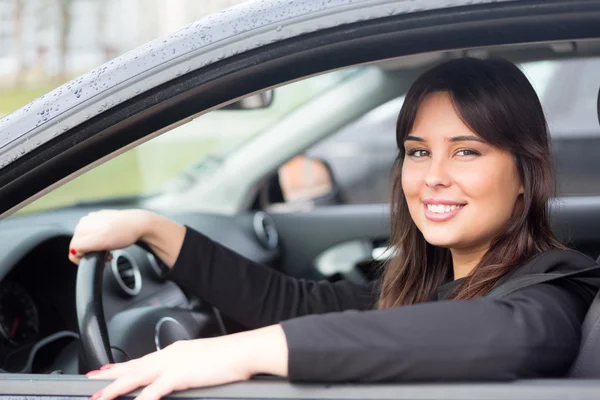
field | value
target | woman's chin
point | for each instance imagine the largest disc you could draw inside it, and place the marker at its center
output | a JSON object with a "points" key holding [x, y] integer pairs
{"points": [[440, 240]]}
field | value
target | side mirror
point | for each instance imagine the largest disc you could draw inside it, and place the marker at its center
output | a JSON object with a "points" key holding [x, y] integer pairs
{"points": [[303, 179], [253, 102]]}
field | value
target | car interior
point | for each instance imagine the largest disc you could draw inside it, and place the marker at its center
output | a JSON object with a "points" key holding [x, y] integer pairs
{"points": [[325, 237]]}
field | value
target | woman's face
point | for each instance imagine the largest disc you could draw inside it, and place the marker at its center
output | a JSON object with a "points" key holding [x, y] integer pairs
{"points": [[460, 190]]}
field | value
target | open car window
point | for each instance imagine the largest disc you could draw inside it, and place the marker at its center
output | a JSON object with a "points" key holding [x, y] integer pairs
{"points": [[182, 157], [361, 154]]}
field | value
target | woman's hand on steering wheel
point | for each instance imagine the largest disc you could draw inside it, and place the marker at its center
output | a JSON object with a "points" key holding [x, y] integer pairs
{"points": [[197, 363], [107, 230]]}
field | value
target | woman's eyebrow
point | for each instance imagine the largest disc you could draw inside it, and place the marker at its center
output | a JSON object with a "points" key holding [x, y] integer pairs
{"points": [[465, 139], [452, 139], [414, 138]]}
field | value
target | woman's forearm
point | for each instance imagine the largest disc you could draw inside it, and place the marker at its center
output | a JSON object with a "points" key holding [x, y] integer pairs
{"points": [[163, 235], [265, 351]]}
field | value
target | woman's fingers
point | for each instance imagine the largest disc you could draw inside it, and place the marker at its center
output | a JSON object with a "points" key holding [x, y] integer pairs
{"points": [[161, 387], [75, 257], [114, 371], [125, 384]]}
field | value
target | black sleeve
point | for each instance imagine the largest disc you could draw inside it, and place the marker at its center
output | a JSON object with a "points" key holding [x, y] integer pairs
{"points": [[534, 332], [254, 295]]}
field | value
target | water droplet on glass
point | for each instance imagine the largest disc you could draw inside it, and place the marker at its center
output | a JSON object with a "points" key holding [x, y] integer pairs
{"points": [[279, 28], [22, 151], [137, 91]]}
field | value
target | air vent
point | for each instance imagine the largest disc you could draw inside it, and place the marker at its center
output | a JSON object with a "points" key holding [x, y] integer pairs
{"points": [[264, 228], [126, 273], [159, 273]]}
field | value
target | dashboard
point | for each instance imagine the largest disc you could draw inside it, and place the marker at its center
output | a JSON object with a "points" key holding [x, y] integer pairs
{"points": [[38, 324]]}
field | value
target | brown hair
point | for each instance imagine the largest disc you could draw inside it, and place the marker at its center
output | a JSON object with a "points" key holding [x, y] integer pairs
{"points": [[495, 100]]}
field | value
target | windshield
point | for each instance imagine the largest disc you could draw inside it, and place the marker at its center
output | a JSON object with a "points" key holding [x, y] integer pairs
{"points": [[181, 156]]}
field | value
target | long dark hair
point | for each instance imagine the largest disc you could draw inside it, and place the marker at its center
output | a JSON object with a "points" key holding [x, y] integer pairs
{"points": [[496, 101]]}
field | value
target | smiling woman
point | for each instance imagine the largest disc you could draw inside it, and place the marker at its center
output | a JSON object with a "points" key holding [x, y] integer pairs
{"points": [[469, 203], [474, 172]]}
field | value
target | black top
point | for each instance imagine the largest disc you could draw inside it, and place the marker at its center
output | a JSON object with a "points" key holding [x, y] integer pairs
{"points": [[532, 332]]}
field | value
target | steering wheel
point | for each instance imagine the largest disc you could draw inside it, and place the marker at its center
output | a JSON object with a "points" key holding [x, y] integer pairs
{"points": [[131, 333], [90, 311]]}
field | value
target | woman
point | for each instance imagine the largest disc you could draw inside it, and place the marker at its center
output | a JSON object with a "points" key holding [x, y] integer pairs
{"points": [[469, 212]]}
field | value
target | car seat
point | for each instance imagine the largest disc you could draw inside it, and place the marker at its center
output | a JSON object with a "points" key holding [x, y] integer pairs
{"points": [[587, 363]]}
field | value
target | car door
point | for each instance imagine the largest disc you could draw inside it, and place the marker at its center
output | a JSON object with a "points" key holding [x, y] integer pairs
{"points": [[341, 34]]}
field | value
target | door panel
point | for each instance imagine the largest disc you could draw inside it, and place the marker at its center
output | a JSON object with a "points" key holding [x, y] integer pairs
{"points": [[73, 387], [305, 235]]}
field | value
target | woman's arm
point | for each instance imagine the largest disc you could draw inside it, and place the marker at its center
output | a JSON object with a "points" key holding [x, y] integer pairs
{"points": [[531, 334], [255, 295], [250, 293], [534, 332]]}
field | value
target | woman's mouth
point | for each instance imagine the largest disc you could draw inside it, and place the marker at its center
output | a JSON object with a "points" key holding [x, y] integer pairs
{"points": [[442, 212]]}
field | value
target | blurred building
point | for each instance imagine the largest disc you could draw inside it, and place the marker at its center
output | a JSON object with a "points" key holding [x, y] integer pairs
{"points": [[41, 39]]}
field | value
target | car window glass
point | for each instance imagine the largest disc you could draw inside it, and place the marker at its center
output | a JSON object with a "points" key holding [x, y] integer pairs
{"points": [[182, 156]]}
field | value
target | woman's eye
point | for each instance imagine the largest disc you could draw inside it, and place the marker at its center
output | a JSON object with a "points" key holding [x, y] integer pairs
{"points": [[418, 153], [467, 152]]}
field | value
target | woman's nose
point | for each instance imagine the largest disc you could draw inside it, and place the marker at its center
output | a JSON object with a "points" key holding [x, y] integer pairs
{"points": [[437, 174]]}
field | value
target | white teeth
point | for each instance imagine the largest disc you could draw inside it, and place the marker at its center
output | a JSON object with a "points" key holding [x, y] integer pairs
{"points": [[441, 208]]}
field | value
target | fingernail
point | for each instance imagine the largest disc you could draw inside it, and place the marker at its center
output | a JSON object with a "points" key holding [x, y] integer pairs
{"points": [[96, 395], [94, 372], [73, 251], [107, 366]]}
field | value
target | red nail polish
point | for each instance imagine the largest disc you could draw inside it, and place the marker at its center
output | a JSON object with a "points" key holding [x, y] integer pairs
{"points": [[107, 366], [73, 251]]}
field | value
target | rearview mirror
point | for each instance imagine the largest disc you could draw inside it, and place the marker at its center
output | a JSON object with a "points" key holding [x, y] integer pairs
{"points": [[253, 102]]}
